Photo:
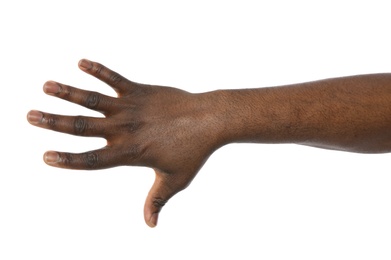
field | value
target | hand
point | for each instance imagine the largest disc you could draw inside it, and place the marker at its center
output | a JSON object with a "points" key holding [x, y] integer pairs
{"points": [[167, 129]]}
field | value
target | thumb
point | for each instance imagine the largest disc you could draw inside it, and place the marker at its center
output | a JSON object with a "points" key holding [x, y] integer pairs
{"points": [[158, 196]]}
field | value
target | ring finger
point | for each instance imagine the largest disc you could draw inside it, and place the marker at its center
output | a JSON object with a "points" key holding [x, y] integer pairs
{"points": [[89, 99]]}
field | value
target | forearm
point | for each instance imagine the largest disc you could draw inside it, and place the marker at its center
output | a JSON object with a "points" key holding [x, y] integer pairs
{"points": [[349, 113]]}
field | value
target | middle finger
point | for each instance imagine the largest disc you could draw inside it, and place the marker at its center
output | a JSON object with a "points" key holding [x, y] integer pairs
{"points": [[75, 125]]}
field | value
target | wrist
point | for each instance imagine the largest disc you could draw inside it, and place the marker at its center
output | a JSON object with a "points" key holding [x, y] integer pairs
{"points": [[232, 116], [254, 116]]}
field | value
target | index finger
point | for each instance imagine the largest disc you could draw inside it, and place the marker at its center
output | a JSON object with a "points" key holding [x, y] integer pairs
{"points": [[120, 84]]}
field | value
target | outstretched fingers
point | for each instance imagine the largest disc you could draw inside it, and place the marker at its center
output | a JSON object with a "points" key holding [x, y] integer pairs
{"points": [[89, 99], [92, 160], [75, 125], [119, 83]]}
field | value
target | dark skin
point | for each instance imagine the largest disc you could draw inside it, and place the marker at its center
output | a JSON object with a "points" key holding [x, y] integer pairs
{"points": [[174, 132]]}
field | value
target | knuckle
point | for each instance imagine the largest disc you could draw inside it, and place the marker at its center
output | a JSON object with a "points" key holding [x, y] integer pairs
{"points": [[159, 202], [132, 126], [133, 152], [66, 91], [60, 90], [90, 159], [50, 121], [141, 90], [66, 158], [92, 100], [115, 78], [133, 155], [98, 68], [79, 125]]}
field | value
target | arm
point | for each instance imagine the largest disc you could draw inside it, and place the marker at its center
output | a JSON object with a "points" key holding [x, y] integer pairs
{"points": [[349, 113], [174, 132]]}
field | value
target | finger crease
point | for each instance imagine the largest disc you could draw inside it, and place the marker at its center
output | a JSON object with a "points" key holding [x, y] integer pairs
{"points": [[92, 100], [80, 125], [159, 202], [91, 159]]}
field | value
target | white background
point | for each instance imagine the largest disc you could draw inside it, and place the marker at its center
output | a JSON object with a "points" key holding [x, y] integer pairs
{"points": [[249, 201]]}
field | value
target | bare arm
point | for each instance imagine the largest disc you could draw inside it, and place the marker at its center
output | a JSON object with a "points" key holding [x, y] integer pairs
{"points": [[174, 132], [349, 113]]}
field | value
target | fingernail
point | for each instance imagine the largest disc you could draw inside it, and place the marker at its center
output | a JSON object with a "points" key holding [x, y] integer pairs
{"points": [[153, 220], [51, 87], [51, 157], [85, 64], [34, 117]]}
